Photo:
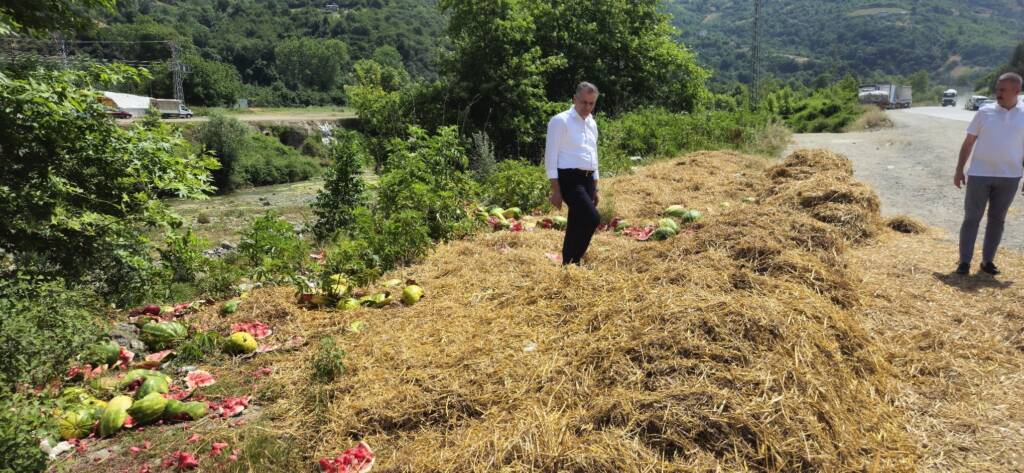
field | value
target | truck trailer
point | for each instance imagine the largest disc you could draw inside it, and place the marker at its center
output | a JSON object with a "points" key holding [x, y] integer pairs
{"points": [[887, 96], [171, 108]]}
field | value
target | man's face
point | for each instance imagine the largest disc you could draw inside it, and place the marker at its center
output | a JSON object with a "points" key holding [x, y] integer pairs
{"points": [[584, 103], [1007, 92]]}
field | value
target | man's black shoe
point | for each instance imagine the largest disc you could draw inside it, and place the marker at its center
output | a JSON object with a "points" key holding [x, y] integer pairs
{"points": [[990, 268], [963, 268]]}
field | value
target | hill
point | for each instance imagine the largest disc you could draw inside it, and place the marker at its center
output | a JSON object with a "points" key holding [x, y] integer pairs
{"points": [[956, 41], [793, 334]]}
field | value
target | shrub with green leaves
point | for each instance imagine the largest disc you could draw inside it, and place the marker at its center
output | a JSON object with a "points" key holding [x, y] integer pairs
{"points": [[23, 421], [271, 245], [427, 174], [344, 189], [517, 184], [182, 255], [328, 362], [77, 188], [44, 324], [248, 158]]}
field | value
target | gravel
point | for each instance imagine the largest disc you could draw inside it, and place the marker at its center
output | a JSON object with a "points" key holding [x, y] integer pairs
{"points": [[911, 167]]}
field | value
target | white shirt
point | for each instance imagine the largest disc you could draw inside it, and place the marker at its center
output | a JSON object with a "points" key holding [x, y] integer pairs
{"points": [[571, 143], [999, 150]]}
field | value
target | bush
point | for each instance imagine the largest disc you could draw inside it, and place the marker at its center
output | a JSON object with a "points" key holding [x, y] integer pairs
{"points": [[220, 278], [271, 245], [76, 187], [227, 138], [828, 110], [44, 325], [248, 158], [517, 184], [328, 362], [654, 133], [481, 157], [428, 174], [354, 257], [344, 189], [23, 421], [267, 161], [183, 255]]}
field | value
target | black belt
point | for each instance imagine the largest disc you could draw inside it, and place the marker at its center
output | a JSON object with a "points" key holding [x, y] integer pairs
{"points": [[578, 172]]}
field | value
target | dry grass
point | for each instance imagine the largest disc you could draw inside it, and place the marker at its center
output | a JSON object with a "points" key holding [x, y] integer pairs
{"points": [[905, 224], [872, 118], [766, 338]]}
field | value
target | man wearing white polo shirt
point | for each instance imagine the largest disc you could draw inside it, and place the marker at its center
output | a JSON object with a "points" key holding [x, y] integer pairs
{"points": [[996, 136], [570, 159]]}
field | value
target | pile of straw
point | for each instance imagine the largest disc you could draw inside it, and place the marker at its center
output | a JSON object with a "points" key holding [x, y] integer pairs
{"points": [[732, 347]]}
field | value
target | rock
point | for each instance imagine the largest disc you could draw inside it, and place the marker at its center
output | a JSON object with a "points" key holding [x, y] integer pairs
{"points": [[127, 335]]}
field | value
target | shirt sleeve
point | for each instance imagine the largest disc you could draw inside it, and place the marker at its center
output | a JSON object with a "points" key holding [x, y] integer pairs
{"points": [[551, 147], [975, 127], [597, 138]]}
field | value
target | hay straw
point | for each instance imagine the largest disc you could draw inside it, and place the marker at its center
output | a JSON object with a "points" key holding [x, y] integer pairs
{"points": [[758, 340], [905, 224]]}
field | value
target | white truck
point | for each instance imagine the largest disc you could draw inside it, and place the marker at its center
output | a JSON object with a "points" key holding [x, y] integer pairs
{"points": [[949, 98], [171, 108], [886, 96]]}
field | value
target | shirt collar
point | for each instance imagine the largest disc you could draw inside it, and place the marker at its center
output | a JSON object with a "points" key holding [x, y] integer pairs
{"points": [[572, 110]]}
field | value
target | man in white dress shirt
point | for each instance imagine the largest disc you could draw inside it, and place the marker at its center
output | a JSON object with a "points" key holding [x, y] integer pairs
{"points": [[996, 137], [570, 159]]}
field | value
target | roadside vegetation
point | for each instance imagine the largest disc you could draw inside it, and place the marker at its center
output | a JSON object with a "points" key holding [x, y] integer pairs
{"points": [[88, 241]]}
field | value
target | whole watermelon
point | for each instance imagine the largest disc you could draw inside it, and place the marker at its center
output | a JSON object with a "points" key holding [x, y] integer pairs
{"points": [[77, 424], [560, 222], [240, 343], [114, 415], [677, 211], [177, 410], [102, 353], [668, 223], [148, 409], [140, 374], [663, 233], [692, 216], [153, 384], [163, 335]]}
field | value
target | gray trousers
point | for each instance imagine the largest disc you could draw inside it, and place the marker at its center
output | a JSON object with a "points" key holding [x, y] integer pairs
{"points": [[997, 194]]}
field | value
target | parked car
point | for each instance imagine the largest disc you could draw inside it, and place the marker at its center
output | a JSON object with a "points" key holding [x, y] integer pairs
{"points": [[118, 113], [974, 103]]}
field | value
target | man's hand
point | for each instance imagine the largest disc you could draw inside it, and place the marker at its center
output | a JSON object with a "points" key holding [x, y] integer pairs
{"points": [[556, 195], [597, 197], [959, 179]]}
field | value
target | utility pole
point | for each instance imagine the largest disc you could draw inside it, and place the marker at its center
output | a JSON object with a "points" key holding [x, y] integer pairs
{"points": [[178, 71], [62, 48], [755, 57]]}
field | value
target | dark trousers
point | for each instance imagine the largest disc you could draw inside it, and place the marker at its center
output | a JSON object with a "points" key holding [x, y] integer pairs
{"points": [[997, 194], [578, 189]]}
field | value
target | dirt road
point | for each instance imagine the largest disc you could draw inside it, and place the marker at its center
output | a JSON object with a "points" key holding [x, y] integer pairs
{"points": [[911, 167]]}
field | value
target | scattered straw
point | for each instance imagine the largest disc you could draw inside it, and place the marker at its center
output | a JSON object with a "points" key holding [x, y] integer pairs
{"points": [[905, 224]]}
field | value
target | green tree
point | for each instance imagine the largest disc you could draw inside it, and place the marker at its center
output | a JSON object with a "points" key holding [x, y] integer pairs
{"points": [[384, 111], [227, 138], [919, 81], [344, 189], [211, 83], [626, 47], [38, 16], [310, 62], [516, 62], [498, 70], [76, 187]]}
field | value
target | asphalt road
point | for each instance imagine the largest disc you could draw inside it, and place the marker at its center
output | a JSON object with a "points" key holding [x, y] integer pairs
{"points": [[911, 167]]}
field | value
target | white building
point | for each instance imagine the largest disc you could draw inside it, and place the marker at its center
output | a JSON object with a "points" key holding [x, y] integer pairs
{"points": [[137, 105]]}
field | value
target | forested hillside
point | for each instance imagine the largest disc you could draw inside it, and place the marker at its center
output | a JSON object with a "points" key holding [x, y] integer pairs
{"points": [[301, 52], [954, 40], [283, 51]]}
